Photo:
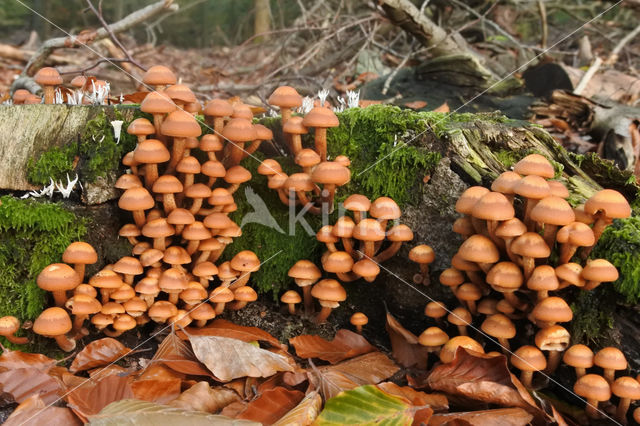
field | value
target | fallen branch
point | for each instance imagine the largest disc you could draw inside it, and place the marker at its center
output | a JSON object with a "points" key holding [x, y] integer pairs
{"points": [[10, 52], [129, 21]]}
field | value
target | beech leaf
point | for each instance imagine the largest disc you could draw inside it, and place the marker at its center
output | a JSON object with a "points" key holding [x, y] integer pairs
{"points": [[271, 405], [404, 345], [366, 405], [498, 417], [304, 413], [229, 358], [21, 383], [178, 355], [346, 344], [142, 413], [202, 397], [370, 368], [157, 390], [16, 359], [224, 328], [90, 398], [34, 412], [98, 353]]}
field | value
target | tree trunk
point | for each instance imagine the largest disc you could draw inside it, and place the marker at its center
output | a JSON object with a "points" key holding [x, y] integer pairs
{"points": [[262, 20]]}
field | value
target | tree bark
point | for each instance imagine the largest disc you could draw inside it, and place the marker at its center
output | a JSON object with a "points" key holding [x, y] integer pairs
{"points": [[262, 20]]}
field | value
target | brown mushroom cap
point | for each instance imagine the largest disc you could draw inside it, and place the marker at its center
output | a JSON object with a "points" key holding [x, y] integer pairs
{"points": [[500, 326], [468, 292], [141, 127], [435, 310], [218, 108], [151, 151], [533, 187], [58, 277], [579, 356], [106, 279], [480, 249], [221, 295], [173, 280], [610, 358], [368, 230], [528, 358], [245, 261], [291, 296], [554, 211], [48, 76], [159, 75], [343, 228], [511, 228], [535, 164], [329, 290], [180, 217], [626, 387], [530, 244], [136, 199], [167, 184], [357, 202], [338, 262], [237, 174], [80, 252], [128, 265], [239, 130], [294, 126], [330, 172], [488, 306], [180, 124], [157, 103], [151, 256], [433, 336], [493, 206], [52, 322], [610, 202], [176, 255], [162, 310], [543, 278], [180, 93], [189, 165], [451, 277], [384, 208], [298, 182], [469, 198], [9, 325], [554, 338], [269, 167], [285, 97], [211, 143], [552, 309], [558, 189], [158, 228], [366, 268], [127, 181], [506, 182], [460, 316], [325, 235], [245, 294], [124, 322], [449, 349], [593, 387], [219, 197], [202, 312], [600, 270], [305, 270], [571, 272], [112, 308], [320, 117], [577, 234], [135, 306], [505, 276]]}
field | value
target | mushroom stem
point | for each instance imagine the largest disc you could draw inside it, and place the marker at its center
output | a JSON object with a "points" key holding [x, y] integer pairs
{"points": [[592, 409], [104, 295], [550, 234], [17, 340], [292, 308], [49, 94], [157, 123], [528, 265], [512, 256], [65, 343], [542, 294], [590, 285], [174, 298], [424, 271], [253, 147], [241, 281], [308, 300], [580, 371], [553, 361], [321, 142], [389, 252], [132, 240], [621, 412], [323, 315], [327, 198], [526, 377], [347, 243], [80, 267], [112, 333], [369, 249], [195, 207], [148, 298], [60, 298], [201, 323], [192, 246], [218, 124], [159, 244], [296, 144], [78, 321], [505, 347], [512, 299], [471, 305], [237, 305], [236, 152], [233, 188], [286, 114], [609, 375], [599, 226], [168, 202], [139, 218], [150, 174], [462, 330], [529, 205], [347, 277], [177, 153], [359, 328], [219, 308]]}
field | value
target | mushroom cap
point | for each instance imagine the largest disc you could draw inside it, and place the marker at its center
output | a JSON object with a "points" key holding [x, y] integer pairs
{"points": [[129, 230], [151, 151], [237, 174], [511, 228], [211, 143], [558, 189], [600, 270], [468, 292], [359, 319], [610, 202], [220, 196], [366, 268], [159, 75], [298, 182], [157, 102], [343, 228], [176, 255], [85, 289], [241, 110], [213, 168], [400, 233], [148, 286], [307, 158], [81, 253], [269, 167], [106, 279], [136, 199], [180, 124], [180, 216], [20, 95], [579, 356], [488, 306], [151, 256], [582, 216], [112, 308], [194, 293], [205, 269], [285, 97], [196, 231], [294, 126], [533, 187], [9, 325], [592, 387], [161, 310], [158, 228], [535, 164], [189, 165], [127, 181], [245, 294], [448, 351], [180, 93], [141, 127], [552, 309], [554, 211], [221, 295], [480, 249], [263, 133], [357, 202], [325, 235], [435, 310], [493, 206], [571, 272], [554, 338], [290, 296], [463, 226], [218, 108], [433, 336], [140, 248], [123, 293], [101, 320], [58, 277], [503, 306], [173, 280], [167, 184], [48, 76], [506, 182], [368, 230], [135, 306], [528, 358], [217, 220], [577, 234], [469, 198], [460, 316], [530, 244], [451, 277], [338, 262], [500, 326], [245, 261], [610, 358], [384, 208], [52, 322], [626, 387], [543, 278], [331, 173], [459, 263], [202, 312], [343, 159], [305, 270], [320, 117], [329, 290], [277, 180], [128, 265], [124, 322], [239, 130]]}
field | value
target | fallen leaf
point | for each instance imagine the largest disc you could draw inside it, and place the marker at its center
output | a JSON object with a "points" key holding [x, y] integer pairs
{"points": [[404, 345], [98, 353], [436, 401], [34, 412], [142, 413], [224, 328], [366, 405], [232, 410], [178, 355], [161, 391], [346, 344], [443, 108], [415, 104], [498, 417], [202, 397], [21, 383], [16, 359], [368, 102], [136, 97], [230, 358], [370, 368], [304, 413], [93, 396], [109, 369], [271, 405]]}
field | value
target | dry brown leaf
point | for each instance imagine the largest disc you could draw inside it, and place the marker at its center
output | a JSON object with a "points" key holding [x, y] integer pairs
{"points": [[16, 359], [415, 104], [229, 358], [96, 373], [404, 345], [271, 405], [304, 413], [34, 412], [499, 417], [136, 97], [346, 344], [202, 397], [178, 355], [233, 409], [436, 401], [443, 108], [90, 398], [370, 368], [156, 390], [98, 353], [21, 383], [224, 328]]}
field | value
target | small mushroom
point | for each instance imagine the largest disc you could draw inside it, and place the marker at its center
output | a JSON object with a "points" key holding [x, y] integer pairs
{"points": [[238, 131], [48, 78], [530, 246], [137, 200], [572, 236], [329, 292], [9, 325], [551, 310], [161, 311], [469, 293], [291, 298], [151, 152], [610, 359], [80, 254], [597, 271], [358, 320], [435, 310], [55, 323], [122, 323], [286, 98], [325, 235], [594, 389], [550, 213], [220, 296], [528, 359], [321, 118], [180, 125], [173, 281], [500, 327], [448, 351], [305, 274], [579, 357], [242, 296], [218, 109], [423, 255], [129, 267], [58, 278], [481, 250], [461, 318], [628, 390], [244, 262], [554, 339], [202, 313], [432, 339], [605, 206], [358, 204], [81, 306], [542, 280]]}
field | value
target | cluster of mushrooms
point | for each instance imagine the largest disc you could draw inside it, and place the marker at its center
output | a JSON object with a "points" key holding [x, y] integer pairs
{"points": [[523, 244], [81, 91]]}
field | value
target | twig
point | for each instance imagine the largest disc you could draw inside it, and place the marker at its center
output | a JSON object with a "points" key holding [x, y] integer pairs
{"points": [[36, 61], [112, 35], [403, 62], [595, 66], [613, 57], [543, 23], [95, 64]]}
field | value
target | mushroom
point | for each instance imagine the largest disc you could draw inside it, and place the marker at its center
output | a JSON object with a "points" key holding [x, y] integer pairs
{"points": [[168, 186], [238, 131], [58, 278], [469, 293], [605, 206], [340, 263], [214, 170], [500, 327], [579, 357], [262, 134], [594, 389], [435, 310], [432, 339], [358, 204], [135, 307], [628, 390], [141, 128], [506, 278], [533, 189], [481, 250], [179, 218], [81, 306], [55, 323], [461, 318], [80, 254], [368, 231], [291, 297], [384, 209], [505, 184], [528, 359], [367, 269], [180, 125], [542, 280], [101, 321], [488, 306], [161, 311], [572, 236], [218, 109], [189, 167], [610, 359], [451, 278], [464, 227], [9, 325], [227, 274], [551, 310], [129, 267], [321, 118], [130, 232], [121, 323], [597, 271], [358, 320], [329, 292], [530, 246], [244, 262], [423, 255], [173, 281], [295, 129], [570, 274], [286, 98], [107, 281], [151, 257], [535, 164], [193, 295], [159, 230], [448, 351], [397, 235], [343, 229], [180, 95], [554, 339], [20, 95], [157, 104], [465, 204], [331, 175], [494, 208], [205, 272], [298, 184], [176, 256], [48, 78], [508, 231], [202, 313], [550, 213], [220, 296], [325, 235], [136, 200], [159, 77], [305, 274], [194, 233], [235, 176], [127, 181], [242, 296]]}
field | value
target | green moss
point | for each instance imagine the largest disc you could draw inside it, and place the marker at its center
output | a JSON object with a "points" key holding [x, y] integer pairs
{"points": [[592, 316], [97, 152], [620, 245], [277, 246], [33, 234]]}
